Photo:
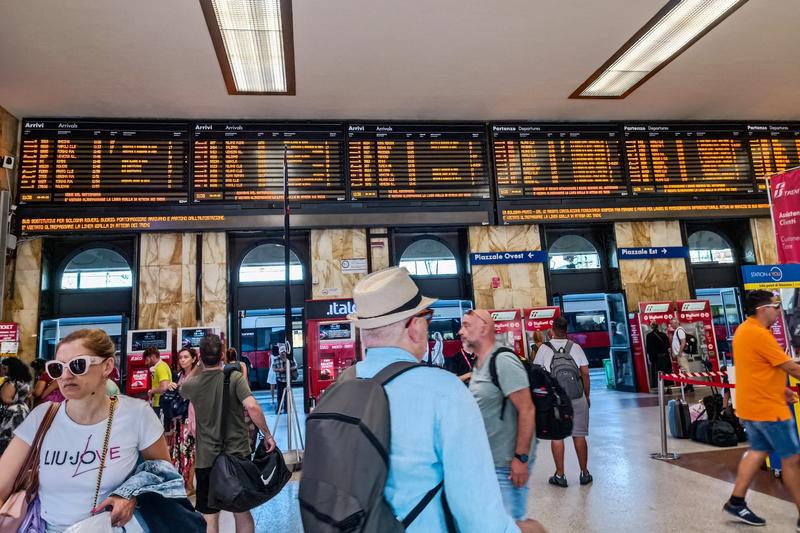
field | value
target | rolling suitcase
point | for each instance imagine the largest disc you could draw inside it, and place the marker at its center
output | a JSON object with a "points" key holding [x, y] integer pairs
{"points": [[679, 419]]}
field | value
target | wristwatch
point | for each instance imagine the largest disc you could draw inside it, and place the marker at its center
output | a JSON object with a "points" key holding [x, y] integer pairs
{"points": [[522, 457]]}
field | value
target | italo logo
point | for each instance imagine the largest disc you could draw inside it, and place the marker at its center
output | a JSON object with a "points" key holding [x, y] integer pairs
{"points": [[657, 308], [341, 308], [541, 313], [776, 273]]}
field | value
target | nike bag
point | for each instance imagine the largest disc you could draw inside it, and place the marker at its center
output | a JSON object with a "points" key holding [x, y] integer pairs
{"points": [[240, 484]]}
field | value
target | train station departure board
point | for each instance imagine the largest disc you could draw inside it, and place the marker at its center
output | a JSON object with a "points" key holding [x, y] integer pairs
{"points": [[244, 162], [417, 162], [540, 160], [773, 148], [80, 162], [687, 159]]}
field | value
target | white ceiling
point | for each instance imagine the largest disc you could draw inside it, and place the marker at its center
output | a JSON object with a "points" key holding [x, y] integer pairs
{"points": [[393, 59]]}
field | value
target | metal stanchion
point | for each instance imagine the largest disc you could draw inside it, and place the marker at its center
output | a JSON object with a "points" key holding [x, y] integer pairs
{"points": [[663, 455]]}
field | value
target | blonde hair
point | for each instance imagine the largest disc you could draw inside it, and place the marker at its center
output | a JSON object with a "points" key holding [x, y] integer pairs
{"points": [[96, 341]]}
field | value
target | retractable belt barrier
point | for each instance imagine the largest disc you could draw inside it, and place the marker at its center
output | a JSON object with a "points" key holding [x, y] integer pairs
{"points": [[683, 378]]}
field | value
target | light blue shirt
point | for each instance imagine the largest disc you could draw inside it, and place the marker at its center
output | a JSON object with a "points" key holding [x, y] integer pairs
{"points": [[437, 433]]}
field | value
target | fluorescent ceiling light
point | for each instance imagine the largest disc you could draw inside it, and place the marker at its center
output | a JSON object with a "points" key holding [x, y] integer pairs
{"points": [[253, 41], [678, 25]]}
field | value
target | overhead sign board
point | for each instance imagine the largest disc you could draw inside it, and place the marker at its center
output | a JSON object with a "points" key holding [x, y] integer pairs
{"points": [[771, 276], [652, 252], [504, 258]]}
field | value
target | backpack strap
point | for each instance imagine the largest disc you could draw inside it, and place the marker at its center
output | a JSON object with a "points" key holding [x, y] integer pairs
{"points": [[423, 503], [227, 371], [496, 379]]}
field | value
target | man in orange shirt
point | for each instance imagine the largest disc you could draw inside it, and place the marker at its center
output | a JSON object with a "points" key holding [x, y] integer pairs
{"points": [[762, 399]]}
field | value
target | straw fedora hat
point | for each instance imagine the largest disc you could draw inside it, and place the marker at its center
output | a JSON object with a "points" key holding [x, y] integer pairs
{"points": [[386, 297]]}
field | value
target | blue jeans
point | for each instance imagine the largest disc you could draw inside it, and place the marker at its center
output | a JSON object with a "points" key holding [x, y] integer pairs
{"points": [[778, 437], [515, 500]]}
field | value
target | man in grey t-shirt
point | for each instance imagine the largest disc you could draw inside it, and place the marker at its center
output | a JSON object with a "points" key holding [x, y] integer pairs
{"points": [[509, 424]]}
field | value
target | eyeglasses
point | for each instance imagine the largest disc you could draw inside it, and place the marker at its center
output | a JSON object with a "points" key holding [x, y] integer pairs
{"points": [[774, 305], [427, 314], [78, 366], [472, 312]]}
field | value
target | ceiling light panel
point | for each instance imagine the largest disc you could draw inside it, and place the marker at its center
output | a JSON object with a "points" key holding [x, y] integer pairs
{"points": [[673, 30]]}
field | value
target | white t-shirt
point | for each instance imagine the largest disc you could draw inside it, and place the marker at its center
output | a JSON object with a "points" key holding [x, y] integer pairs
{"points": [[67, 484], [545, 355], [677, 337]]}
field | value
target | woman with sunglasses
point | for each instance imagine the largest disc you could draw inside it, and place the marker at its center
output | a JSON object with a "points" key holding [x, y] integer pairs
{"points": [[14, 393], [87, 422]]}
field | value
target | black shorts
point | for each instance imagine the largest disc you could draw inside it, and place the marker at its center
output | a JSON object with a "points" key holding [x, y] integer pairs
{"points": [[202, 476]]}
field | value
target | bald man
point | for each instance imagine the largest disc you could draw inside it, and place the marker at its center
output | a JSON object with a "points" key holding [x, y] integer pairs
{"points": [[509, 425]]}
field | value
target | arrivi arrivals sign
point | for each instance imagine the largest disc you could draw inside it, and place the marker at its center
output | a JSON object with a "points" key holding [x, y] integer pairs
{"points": [[784, 190]]}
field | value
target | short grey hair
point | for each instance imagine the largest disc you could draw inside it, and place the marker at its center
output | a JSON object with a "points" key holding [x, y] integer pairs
{"points": [[388, 335]]}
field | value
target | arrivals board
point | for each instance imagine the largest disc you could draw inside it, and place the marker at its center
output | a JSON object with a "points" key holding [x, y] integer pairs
{"points": [[687, 159], [418, 162], [81, 162], [773, 148], [241, 162], [540, 160]]}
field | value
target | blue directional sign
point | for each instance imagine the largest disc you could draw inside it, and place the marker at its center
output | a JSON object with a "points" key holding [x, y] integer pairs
{"points": [[771, 276], [504, 258], [653, 252]]}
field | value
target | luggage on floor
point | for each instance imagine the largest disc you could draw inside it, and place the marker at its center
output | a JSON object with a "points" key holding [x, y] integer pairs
{"points": [[714, 432], [679, 419], [697, 411]]}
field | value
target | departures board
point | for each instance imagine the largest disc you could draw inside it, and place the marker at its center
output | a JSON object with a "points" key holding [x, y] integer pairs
{"points": [[82, 162], [687, 159], [545, 160], [244, 162], [418, 162], [773, 148]]}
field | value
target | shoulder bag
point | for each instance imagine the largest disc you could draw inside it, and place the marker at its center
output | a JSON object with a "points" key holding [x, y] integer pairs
{"points": [[22, 505]]}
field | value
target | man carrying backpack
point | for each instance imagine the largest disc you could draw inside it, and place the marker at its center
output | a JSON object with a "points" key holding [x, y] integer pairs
{"points": [[567, 363], [499, 376], [397, 446]]}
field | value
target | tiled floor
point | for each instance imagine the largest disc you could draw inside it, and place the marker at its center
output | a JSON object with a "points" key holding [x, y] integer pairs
{"points": [[631, 492]]}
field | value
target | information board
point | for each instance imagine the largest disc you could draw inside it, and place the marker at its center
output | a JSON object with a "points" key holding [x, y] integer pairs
{"points": [[244, 162], [80, 162], [418, 162], [540, 160], [773, 148], [687, 159]]}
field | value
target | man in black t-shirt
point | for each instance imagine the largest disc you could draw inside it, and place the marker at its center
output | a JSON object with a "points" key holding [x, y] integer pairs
{"points": [[657, 347], [460, 365]]}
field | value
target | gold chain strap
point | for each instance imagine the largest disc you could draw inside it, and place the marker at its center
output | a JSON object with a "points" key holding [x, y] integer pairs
{"points": [[112, 405]]}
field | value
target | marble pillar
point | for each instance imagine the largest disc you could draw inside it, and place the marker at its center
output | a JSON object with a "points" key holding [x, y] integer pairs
{"points": [[521, 285], [764, 241], [215, 280], [379, 248], [647, 280], [328, 248], [167, 280], [23, 308]]}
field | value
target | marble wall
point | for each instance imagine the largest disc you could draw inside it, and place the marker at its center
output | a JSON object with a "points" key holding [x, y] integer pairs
{"points": [[763, 241], [328, 248], [23, 308], [521, 285], [647, 280], [215, 280]]}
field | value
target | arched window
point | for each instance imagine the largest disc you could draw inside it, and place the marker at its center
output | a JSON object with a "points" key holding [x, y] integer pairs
{"points": [[265, 263], [429, 257], [97, 268], [707, 247], [573, 252]]}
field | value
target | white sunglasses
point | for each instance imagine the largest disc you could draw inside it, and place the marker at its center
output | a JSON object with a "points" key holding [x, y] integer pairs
{"points": [[78, 366]]}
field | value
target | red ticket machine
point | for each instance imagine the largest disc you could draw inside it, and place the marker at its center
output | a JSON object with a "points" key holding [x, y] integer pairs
{"points": [[538, 319], [331, 345], [137, 372], [508, 329]]}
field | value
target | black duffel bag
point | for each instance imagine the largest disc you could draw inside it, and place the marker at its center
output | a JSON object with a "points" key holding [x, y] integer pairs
{"points": [[239, 484]]}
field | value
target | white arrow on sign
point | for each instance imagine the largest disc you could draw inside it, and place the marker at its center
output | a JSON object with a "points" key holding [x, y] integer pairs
{"points": [[530, 255], [663, 250]]}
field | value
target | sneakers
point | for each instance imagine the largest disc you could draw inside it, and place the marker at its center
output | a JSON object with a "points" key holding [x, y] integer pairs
{"points": [[559, 481], [744, 514], [586, 478]]}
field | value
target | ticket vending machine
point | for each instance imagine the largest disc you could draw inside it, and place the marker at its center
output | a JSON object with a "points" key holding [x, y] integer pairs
{"points": [[331, 345], [508, 329], [538, 319], [136, 373]]}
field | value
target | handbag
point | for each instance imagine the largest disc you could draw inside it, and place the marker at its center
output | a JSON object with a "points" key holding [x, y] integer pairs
{"points": [[173, 405], [238, 485], [21, 506]]}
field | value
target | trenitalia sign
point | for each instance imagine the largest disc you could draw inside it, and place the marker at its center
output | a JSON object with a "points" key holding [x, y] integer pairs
{"points": [[784, 191], [771, 277]]}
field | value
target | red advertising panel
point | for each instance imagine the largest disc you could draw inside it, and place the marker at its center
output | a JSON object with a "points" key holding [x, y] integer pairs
{"points": [[784, 191], [538, 319], [9, 338], [508, 329], [779, 330], [637, 348], [658, 312], [696, 318]]}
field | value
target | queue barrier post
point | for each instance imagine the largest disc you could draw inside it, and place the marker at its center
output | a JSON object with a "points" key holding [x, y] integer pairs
{"points": [[663, 455]]}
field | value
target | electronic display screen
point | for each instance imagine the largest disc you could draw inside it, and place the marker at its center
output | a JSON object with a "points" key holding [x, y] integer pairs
{"points": [[540, 160], [243, 162], [773, 148], [141, 340], [339, 330], [192, 337], [417, 162], [81, 162], [687, 159]]}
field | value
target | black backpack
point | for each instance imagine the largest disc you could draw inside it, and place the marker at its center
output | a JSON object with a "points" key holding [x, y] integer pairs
{"points": [[691, 344], [553, 407], [565, 370], [346, 460]]}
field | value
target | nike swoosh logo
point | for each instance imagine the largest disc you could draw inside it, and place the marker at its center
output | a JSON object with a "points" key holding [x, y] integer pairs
{"points": [[266, 481]]}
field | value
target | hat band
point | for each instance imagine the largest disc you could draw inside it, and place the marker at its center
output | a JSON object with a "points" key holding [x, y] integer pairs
{"points": [[411, 304]]}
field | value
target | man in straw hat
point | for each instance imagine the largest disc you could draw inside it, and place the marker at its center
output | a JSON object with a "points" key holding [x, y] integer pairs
{"points": [[437, 433]]}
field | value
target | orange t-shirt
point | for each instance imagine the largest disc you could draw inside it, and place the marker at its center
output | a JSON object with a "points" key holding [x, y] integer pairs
{"points": [[760, 384]]}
